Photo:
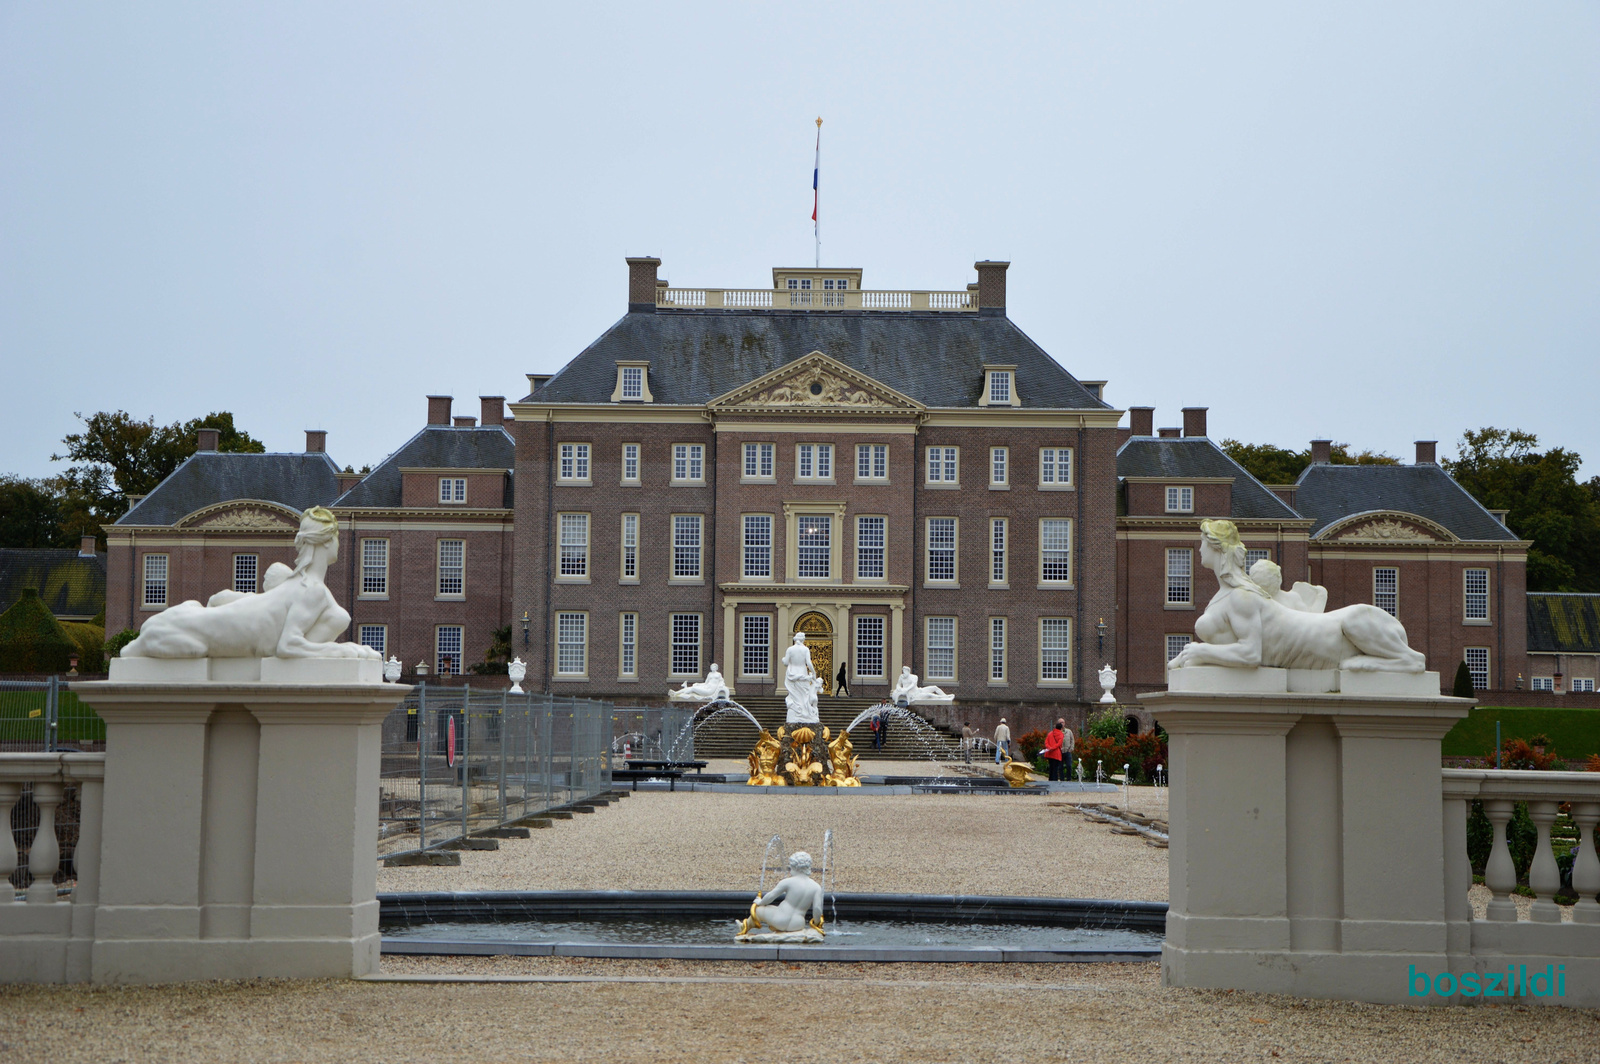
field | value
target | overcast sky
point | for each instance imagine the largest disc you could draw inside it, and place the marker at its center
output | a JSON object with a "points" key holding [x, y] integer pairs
{"points": [[1372, 222]]}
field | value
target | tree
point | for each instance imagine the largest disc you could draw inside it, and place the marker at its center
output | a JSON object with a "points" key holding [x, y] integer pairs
{"points": [[1504, 470], [1279, 465], [30, 513], [1463, 688]]}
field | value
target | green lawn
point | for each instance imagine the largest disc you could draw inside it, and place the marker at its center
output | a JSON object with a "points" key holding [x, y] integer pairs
{"points": [[1574, 733], [79, 723]]}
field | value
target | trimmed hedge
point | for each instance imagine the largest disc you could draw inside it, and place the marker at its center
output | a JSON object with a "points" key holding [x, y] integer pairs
{"points": [[1574, 733], [91, 640], [31, 639]]}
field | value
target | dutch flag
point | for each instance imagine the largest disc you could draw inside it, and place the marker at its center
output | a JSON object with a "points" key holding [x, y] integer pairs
{"points": [[816, 168]]}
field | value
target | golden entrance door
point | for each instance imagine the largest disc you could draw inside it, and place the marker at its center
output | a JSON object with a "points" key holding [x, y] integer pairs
{"points": [[819, 640]]}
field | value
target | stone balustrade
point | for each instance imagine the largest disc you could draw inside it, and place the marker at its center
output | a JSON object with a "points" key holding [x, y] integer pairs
{"points": [[48, 937], [813, 299]]}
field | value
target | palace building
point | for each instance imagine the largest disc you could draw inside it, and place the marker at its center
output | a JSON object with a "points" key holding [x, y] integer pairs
{"points": [[904, 476]]}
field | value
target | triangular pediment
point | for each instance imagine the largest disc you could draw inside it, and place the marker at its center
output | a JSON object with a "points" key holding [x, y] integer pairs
{"points": [[816, 382]]}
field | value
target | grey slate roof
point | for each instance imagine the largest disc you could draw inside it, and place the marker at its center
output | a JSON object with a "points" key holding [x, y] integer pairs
{"points": [[936, 359], [1327, 493], [1560, 623], [210, 477], [1197, 456], [437, 447], [69, 585]]}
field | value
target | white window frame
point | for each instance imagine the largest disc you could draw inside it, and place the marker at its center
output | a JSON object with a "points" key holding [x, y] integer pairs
{"points": [[682, 524], [999, 387], [382, 647], [1474, 604], [1056, 468], [997, 652], [673, 644], [628, 572], [1467, 655], [825, 522], [751, 625], [1176, 641], [627, 645], [1046, 580], [443, 572], [1000, 468], [374, 569], [1542, 683], [452, 491], [631, 453], [868, 552], [1055, 624], [630, 387], [871, 635], [813, 463], [252, 562], [455, 653], [1180, 499], [1180, 578], [689, 464], [572, 555], [760, 464], [999, 552], [572, 464], [1583, 685], [942, 467], [1386, 589], [934, 670], [1256, 554], [874, 459], [753, 528], [572, 639], [954, 579]]}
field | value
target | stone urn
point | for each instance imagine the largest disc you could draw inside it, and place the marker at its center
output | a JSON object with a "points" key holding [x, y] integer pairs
{"points": [[517, 670]]}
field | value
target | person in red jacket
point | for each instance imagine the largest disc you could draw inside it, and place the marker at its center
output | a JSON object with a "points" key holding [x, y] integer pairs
{"points": [[1052, 749]]}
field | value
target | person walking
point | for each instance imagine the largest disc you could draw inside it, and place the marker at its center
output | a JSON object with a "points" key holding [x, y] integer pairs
{"points": [[1002, 742], [967, 738], [876, 724], [1068, 745], [841, 682], [1052, 750]]}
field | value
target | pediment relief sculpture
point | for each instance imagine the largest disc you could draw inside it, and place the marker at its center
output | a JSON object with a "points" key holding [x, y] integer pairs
{"points": [[1387, 529], [248, 518], [816, 381]]}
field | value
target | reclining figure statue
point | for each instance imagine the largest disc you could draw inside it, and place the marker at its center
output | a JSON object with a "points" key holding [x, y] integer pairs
{"points": [[906, 691], [712, 689], [1247, 624], [293, 616]]}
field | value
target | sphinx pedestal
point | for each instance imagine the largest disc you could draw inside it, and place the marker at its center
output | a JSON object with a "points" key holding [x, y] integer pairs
{"points": [[241, 819]]}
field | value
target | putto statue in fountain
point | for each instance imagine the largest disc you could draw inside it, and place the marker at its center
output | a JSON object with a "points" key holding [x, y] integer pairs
{"points": [[800, 683], [1247, 624], [712, 689], [906, 692], [782, 913]]}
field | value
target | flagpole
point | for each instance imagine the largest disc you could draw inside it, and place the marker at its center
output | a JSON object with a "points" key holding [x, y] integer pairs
{"points": [[816, 195]]}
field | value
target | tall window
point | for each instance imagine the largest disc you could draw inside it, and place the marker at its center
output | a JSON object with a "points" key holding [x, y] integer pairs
{"points": [[1253, 556], [155, 579], [244, 572], [1477, 659], [997, 550], [1055, 467], [999, 466], [630, 547], [374, 567], [1386, 590], [1477, 594], [1055, 550], [758, 546], [999, 386], [452, 566], [574, 462], [869, 548], [633, 382], [572, 644], [1176, 643], [997, 648], [1055, 649], [447, 650], [686, 644], [757, 645], [942, 548], [1180, 573], [628, 646], [941, 656], [1180, 500], [630, 463], [574, 545], [942, 465], [813, 461], [375, 636], [758, 461], [688, 463], [869, 647], [452, 489], [872, 461], [814, 547], [686, 546]]}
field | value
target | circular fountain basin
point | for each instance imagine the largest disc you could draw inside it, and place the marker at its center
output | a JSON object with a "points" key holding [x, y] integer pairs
{"points": [[699, 925]]}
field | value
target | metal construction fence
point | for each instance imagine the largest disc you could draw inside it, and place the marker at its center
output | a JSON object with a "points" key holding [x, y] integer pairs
{"points": [[654, 733], [45, 715], [458, 761]]}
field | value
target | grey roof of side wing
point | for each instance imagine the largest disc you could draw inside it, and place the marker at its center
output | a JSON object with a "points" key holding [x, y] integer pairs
{"points": [[210, 477], [1197, 456], [69, 584], [435, 447], [936, 359], [1327, 493], [1563, 622]]}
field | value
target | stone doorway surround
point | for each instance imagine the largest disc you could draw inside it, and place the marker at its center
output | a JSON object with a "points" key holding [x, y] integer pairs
{"points": [[790, 603]]}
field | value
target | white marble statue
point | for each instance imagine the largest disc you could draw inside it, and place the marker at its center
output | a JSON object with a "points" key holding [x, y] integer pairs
{"points": [[1245, 625], [1308, 598], [517, 671], [293, 616], [784, 910], [906, 691], [800, 683], [1108, 680], [712, 688]]}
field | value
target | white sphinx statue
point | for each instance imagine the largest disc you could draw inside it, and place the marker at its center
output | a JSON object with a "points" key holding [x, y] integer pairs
{"points": [[801, 683], [1248, 624], [906, 691], [712, 689], [293, 616], [783, 911]]}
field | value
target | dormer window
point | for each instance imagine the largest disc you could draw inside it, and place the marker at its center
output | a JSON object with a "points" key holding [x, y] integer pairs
{"points": [[633, 382], [999, 386], [1180, 500], [452, 489]]}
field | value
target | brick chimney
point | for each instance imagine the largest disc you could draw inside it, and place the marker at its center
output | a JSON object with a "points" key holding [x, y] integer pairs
{"points": [[439, 409], [316, 441], [461, 421], [1170, 434], [491, 410], [1142, 420], [642, 285], [1321, 452], [1427, 452], [206, 439], [992, 287], [1194, 420], [86, 546]]}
